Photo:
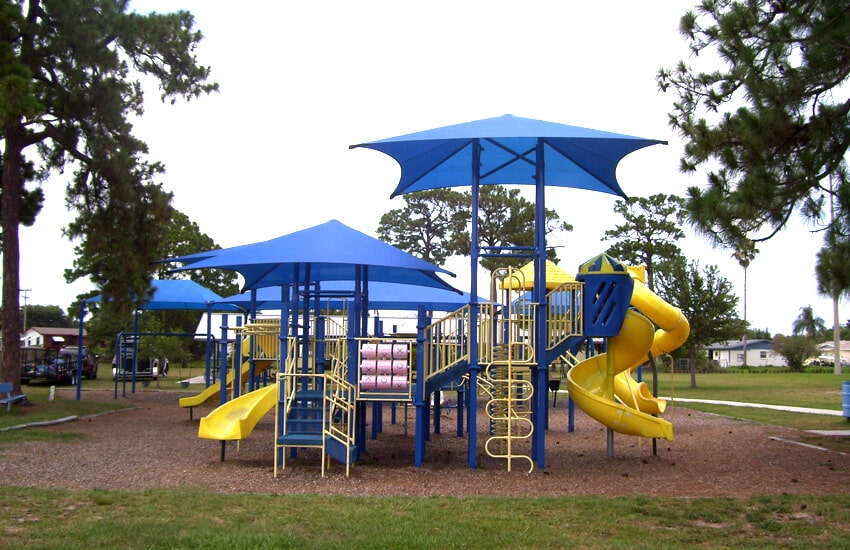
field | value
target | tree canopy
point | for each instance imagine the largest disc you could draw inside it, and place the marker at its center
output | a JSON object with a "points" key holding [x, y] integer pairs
{"points": [[707, 302], [652, 227], [434, 225], [807, 323], [767, 119], [428, 225], [70, 79]]}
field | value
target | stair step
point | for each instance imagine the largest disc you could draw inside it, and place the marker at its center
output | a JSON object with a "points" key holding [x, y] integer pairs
{"points": [[306, 425], [301, 440], [309, 395]]}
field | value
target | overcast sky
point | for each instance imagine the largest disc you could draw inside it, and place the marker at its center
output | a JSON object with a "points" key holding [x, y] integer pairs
{"points": [[301, 81]]}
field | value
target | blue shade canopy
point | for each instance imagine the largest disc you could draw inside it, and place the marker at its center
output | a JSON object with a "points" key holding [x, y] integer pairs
{"points": [[171, 294], [573, 156], [387, 296], [327, 252]]}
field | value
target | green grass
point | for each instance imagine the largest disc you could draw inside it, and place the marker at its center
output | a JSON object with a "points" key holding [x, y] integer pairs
{"points": [[810, 390], [196, 518], [817, 390]]}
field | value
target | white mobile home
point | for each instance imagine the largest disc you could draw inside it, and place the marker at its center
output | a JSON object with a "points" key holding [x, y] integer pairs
{"points": [[760, 353]]}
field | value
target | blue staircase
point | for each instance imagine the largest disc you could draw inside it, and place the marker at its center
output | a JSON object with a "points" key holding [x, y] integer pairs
{"points": [[316, 411], [303, 425]]}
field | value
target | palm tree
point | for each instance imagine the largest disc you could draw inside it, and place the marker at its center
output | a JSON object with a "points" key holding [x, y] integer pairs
{"points": [[745, 254], [806, 323]]}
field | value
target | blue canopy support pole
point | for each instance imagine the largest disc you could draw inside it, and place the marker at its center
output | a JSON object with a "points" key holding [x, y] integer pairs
{"points": [[359, 410], [541, 383], [364, 310], [474, 367], [222, 369], [135, 351], [418, 397], [319, 330], [353, 351], [285, 306], [79, 374], [207, 372], [116, 362], [252, 316], [237, 359], [283, 335], [305, 323]]}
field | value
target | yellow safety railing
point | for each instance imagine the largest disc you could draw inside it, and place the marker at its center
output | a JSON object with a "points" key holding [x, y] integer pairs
{"points": [[564, 313], [339, 408], [446, 343]]}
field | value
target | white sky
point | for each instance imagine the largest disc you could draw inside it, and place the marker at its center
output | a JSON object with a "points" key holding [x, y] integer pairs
{"points": [[301, 81]]}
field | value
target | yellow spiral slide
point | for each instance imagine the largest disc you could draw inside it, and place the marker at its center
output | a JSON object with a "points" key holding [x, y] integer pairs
{"points": [[593, 383]]}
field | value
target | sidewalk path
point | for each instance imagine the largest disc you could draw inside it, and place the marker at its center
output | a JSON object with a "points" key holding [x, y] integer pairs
{"points": [[806, 410]]}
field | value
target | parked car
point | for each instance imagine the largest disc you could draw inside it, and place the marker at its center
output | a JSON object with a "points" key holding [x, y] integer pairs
{"points": [[145, 369], [68, 357], [825, 361], [57, 367]]}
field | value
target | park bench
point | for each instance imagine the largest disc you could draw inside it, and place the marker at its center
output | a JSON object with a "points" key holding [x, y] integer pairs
{"points": [[7, 397]]}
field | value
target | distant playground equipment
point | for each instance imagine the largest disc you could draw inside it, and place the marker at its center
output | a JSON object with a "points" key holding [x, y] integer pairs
{"points": [[260, 353], [328, 379]]}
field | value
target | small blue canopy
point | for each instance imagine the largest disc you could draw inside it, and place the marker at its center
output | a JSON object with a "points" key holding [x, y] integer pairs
{"points": [[574, 157], [327, 252], [171, 294], [381, 295]]}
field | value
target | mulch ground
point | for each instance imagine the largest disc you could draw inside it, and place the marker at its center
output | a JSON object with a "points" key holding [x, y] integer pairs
{"points": [[156, 445]]}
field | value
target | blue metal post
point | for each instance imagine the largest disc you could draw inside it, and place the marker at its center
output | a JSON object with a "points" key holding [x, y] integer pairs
{"points": [[222, 370], [421, 421], [135, 351], [79, 374], [207, 372], [474, 367], [540, 400]]}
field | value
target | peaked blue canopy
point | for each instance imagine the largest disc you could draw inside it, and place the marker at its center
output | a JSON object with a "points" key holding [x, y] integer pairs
{"points": [[327, 252], [171, 294], [574, 157], [387, 296]]}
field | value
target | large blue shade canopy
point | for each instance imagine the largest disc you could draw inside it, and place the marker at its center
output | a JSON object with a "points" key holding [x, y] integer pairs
{"points": [[381, 295], [573, 156], [179, 294], [327, 252]]}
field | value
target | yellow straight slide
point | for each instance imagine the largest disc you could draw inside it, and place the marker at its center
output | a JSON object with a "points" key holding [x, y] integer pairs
{"points": [[213, 391], [594, 382], [237, 418]]}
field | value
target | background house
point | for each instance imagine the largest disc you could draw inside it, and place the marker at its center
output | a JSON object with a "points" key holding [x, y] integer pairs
{"points": [[731, 354], [826, 353], [52, 337]]}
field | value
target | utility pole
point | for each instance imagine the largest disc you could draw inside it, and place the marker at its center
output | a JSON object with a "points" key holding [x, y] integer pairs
{"points": [[25, 290]]}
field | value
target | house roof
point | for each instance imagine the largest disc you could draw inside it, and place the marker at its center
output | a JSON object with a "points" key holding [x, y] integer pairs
{"points": [[56, 331], [739, 344], [844, 345]]}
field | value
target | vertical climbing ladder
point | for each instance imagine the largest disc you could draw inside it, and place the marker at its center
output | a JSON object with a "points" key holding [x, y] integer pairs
{"points": [[507, 372]]}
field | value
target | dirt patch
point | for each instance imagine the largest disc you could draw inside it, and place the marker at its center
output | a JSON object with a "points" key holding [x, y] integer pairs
{"points": [[156, 445]]}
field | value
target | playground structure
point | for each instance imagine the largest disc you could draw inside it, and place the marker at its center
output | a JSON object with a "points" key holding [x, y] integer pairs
{"points": [[329, 378], [501, 349]]}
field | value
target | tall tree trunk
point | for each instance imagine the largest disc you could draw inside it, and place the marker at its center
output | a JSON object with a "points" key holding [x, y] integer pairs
{"points": [[10, 368]]}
